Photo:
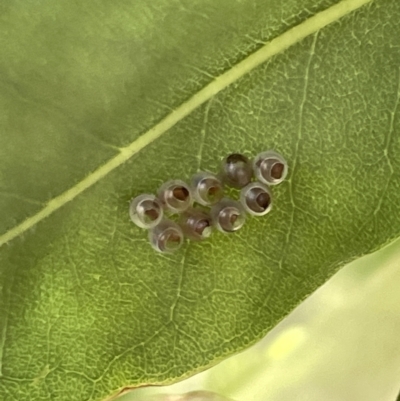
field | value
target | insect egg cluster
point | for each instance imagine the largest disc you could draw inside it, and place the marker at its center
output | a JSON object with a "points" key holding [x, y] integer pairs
{"points": [[201, 205]]}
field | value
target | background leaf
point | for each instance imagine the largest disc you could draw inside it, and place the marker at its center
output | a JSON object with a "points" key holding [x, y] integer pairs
{"points": [[191, 396], [86, 306]]}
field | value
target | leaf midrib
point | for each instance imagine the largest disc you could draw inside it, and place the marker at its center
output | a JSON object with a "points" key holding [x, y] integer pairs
{"points": [[268, 50]]}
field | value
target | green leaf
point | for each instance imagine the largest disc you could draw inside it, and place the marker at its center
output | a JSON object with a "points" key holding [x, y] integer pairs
{"points": [[101, 101]]}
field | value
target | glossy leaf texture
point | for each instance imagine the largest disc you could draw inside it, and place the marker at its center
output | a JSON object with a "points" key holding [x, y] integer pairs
{"points": [[86, 306]]}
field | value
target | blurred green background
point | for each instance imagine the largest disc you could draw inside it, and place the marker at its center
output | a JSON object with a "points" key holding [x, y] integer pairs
{"points": [[341, 344]]}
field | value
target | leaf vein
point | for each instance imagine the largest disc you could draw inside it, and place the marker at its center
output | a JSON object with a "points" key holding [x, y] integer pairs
{"points": [[387, 146], [296, 150], [203, 133]]}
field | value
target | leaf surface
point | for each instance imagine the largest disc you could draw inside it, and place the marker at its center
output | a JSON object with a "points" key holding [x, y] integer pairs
{"points": [[103, 101]]}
